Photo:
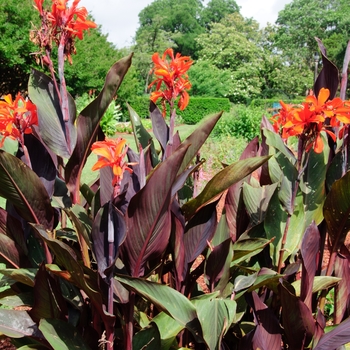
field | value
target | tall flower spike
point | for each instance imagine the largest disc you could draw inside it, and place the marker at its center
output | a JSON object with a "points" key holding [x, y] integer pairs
{"points": [[172, 72]]}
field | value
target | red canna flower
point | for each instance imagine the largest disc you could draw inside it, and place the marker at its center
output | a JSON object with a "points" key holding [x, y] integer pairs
{"points": [[315, 115], [112, 153], [173, 73], [16, 118]]}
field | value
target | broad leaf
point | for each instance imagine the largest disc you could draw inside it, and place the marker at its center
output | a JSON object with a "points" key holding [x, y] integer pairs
{"points": [[209, 309], [197, 139], [108, 232], [310, 246], [297, 319], [336, 211], [17, 324], [23, 188], [336, 337], [61, 335], [142, 136], [148, 216], [25, 276], [222, 181], [58, 135], [148, 338], [160, 127], [319, 283], [164, 298], [88, 124]]}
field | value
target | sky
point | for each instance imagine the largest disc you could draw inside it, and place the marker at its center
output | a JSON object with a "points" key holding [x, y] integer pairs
{"points": [[119, 18]]}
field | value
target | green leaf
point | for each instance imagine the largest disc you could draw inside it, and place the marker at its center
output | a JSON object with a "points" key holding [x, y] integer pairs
{"points": [[336, 211], [256, 200], [222, 311], [61, 335], [313, 185], [320, 283], [16, 324], [164, 298], [147, 338], [142, 137], [25, 276], [168, 328], [59, 136], [23, 188], [222, 181]]}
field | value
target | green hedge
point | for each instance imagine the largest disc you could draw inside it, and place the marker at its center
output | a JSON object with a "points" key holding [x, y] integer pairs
{"points": [[197, 109], [200, 107]]}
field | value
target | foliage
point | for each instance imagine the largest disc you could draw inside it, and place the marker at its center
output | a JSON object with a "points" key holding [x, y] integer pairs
{"points": [[216, 10], [242, 122], [200, 107], [328, 20], [124, 269]]}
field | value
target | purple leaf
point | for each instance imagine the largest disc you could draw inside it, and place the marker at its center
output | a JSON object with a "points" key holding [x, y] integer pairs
{"points": [[198, 232], [335, 338], [148, 216], [297, 320], [344, 74], [342, 292], [59, 136], [267, 334], [160, 128], [336, 211], [88, 124], [329, 75], [48, 299], [108, 232], [23, 188], [310, 246]]}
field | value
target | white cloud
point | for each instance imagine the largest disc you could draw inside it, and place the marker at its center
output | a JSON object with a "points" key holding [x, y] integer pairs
{"points": [[119, 18]]}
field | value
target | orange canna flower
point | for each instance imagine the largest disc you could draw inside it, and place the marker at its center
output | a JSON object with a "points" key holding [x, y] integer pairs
{"points": [[16, 118], [112, 153], [173, 73], [61, 24], [315, 115]]}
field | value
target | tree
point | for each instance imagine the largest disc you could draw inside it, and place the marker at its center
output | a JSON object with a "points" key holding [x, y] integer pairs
{"points": [[180, 21], [230, 45], [303, 20], [216, 10]]}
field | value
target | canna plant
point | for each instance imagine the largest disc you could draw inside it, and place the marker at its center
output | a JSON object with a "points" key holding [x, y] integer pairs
{"points": [[139, 260]]}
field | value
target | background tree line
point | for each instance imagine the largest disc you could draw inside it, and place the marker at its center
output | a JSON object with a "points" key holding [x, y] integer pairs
{"points": [[234, 58]]}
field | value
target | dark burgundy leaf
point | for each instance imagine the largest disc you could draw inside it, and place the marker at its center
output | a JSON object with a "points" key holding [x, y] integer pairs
{"points": [[108, 232], [160, 127], [88, 124], [58, 135], [320, 326], [148, 216], [199, 231], [329, 75], [23, 188], [335, 338], [177, 242], [48, 299], [267, 335], [342, 291], [106, 187], [310, 246], [41, 162], [297, 320], [216, 261]]}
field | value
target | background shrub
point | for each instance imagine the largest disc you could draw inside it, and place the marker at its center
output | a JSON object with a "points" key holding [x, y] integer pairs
{"points": [[242, 121]]}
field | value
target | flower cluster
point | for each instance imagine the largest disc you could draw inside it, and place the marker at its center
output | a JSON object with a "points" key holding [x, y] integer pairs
{"points": [[16, 118], [173, 74], [311, 117], [112, 153], [62, 25]]}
